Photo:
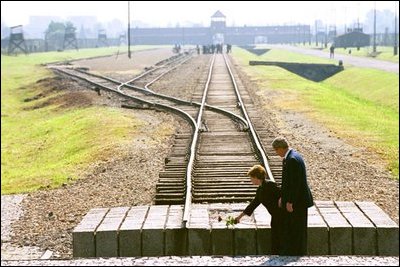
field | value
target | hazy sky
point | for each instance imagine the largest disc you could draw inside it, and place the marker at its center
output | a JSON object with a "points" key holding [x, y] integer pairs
{"points": [[169, 13]]}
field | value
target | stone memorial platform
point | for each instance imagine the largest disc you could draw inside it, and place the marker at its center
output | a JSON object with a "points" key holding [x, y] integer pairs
{"points": [[334, 228]]}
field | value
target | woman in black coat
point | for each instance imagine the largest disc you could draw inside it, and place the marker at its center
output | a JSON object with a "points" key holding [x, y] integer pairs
{"points": [[268, 194]]}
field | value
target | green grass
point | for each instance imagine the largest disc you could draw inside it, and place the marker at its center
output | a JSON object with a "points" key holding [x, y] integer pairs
{"points": [[49, 146], [56, 145], [360, 105]]}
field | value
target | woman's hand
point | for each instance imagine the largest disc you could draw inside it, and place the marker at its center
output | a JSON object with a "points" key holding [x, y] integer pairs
{"points": [[289, 207], [237, 219]]}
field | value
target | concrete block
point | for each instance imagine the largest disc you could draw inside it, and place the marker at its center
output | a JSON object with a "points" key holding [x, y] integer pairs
{"points": [[387, 229], [388, 240], [199, 241], [364, 232], [340, 231], [153, 231], [199, 235], [83, 236], [83, 244], [245, 239], [176, 242], [130, 237], [107, 232], [175, 234], [262, 219], [317, 233], [221, 239], [263, 236]]}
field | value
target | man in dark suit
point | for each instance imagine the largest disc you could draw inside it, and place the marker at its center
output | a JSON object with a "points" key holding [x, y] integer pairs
{"points": [[296, 199]]}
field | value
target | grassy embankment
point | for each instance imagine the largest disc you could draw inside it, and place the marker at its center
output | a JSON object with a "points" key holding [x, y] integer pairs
{"points": [[49, 146], [359, 105]]}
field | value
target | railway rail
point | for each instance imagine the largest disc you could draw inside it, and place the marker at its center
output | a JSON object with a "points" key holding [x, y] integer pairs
{"points": [[209, 163]]}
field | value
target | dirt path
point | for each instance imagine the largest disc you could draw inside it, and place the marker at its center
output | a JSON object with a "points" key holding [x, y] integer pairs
{"points": [[121, 65], [353, 60]]}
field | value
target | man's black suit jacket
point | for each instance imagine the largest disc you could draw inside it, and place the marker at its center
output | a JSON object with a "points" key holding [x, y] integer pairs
{"points": [[295, 188]]}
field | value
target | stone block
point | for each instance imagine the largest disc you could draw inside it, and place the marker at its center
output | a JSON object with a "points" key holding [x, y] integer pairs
{"points": [[263, 236], [107, 232], [364, 232], [175, 234], [199, 235], [317, 233], [245, 239], [83, 236], [221, 239], [262, 219], [387, 229], [340, 231], [130, 237], [83, 244], [153, 231], [199, 241], [176, 242]]}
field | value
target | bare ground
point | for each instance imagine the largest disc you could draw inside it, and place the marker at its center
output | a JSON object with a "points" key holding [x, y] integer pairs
{"points": [[336, 170]]}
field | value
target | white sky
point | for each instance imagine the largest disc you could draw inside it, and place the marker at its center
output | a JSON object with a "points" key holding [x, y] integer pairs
{"points": [[169, 13]]}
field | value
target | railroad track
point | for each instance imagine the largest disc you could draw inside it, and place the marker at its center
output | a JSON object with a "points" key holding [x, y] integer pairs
{"points": [[224, 151], [209, 163]]}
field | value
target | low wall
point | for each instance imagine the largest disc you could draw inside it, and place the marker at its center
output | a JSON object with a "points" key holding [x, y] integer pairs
{"points": [[334, 228], [314, 72]]}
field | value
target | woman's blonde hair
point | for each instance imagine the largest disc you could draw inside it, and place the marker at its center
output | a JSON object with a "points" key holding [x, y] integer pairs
{"points": [[257, 171]]}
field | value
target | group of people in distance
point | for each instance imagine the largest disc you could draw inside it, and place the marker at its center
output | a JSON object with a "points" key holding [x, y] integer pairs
{"points": [[288, 204], [214, 48]]}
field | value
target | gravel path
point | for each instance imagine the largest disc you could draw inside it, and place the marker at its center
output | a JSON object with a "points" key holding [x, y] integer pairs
{"points": [[347, 59], [218, 261], [10, 212]]}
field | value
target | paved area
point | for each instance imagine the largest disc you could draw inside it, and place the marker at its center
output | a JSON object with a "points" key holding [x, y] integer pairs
{"points": [[347, 59], [214, 261], [10, 212]]}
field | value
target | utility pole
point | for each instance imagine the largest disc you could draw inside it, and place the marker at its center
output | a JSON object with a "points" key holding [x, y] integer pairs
{"points": [[326, 35], [395, 32], [345, 20], [129, 30], [374, 47]]}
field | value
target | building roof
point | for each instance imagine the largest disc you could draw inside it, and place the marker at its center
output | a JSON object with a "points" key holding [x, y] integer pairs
{"points": [[218, 14]]}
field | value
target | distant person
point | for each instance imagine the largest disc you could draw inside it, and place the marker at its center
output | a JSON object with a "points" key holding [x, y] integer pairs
{"points": [[228, 48], [204, 49], [212, 48], [295, 201], [268, 194], [332, 51]]}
